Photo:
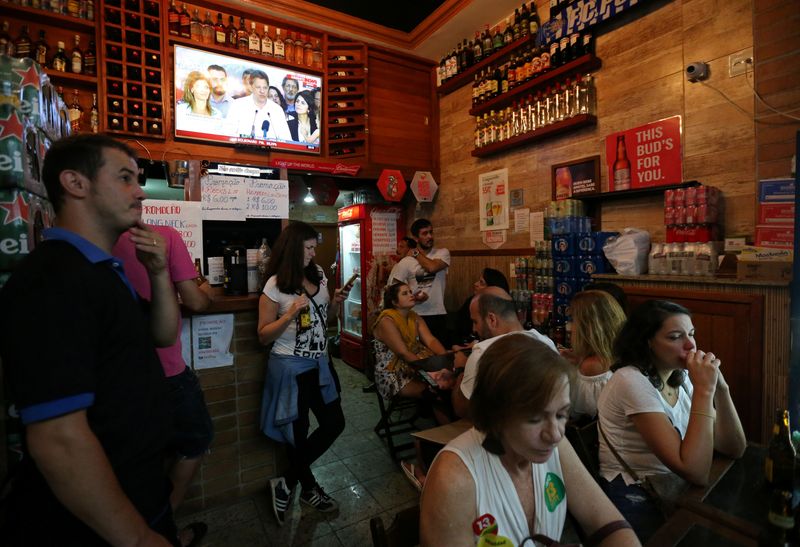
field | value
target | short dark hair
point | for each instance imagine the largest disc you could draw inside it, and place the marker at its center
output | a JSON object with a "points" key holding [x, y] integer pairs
{"points": [[390, 295], [517, 377], [217, 67], [82, 153], [410, 241], [632, 348], [418, 225], [286, 261], [260, 74], [490, 303], [495, 278], [287, 78], [611, 288]]}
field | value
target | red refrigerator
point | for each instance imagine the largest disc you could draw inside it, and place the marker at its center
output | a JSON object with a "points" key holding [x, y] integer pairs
{"points": [[368, 236]]}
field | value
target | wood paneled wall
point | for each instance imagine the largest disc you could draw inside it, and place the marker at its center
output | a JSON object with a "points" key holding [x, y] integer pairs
{"points": [[641, 80]]}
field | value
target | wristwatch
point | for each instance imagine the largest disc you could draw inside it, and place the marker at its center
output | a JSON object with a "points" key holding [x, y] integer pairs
{"points": [[415, 253]]}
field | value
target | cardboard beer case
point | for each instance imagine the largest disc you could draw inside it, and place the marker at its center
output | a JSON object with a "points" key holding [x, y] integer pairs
{"points": [[22, 86], [23, 216], [21, 152]]}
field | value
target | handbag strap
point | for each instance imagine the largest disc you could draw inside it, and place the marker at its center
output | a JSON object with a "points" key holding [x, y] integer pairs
{"points": [[622, 462], [322, 318]]}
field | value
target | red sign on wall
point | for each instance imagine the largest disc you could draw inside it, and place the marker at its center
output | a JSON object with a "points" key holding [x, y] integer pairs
{"points": [[392, 185], [645, 156]]}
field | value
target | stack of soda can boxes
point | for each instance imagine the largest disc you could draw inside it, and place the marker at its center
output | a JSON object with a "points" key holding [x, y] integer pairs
{"points": [[32, 116], [577, 253], [775, 226]]}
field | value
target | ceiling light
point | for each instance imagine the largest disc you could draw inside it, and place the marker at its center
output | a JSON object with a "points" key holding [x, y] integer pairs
{"points": [[309, 198]]}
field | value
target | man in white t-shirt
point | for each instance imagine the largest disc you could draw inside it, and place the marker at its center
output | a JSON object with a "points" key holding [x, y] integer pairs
{"points": [[431, 276], [255, 116], [494, 315]]}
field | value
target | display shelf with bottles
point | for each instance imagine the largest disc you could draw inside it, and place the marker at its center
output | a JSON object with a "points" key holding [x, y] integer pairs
{"points": [[557, 128], [201, 24], [346, 100], [49, 18], [583, 64], [132, 96], [466, 77]]}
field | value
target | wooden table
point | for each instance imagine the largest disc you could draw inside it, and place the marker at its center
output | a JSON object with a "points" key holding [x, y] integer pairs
{"points": [[731, 510]]}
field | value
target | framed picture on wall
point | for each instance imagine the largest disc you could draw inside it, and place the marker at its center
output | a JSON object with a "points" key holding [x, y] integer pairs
{"points": [[576, 178]]}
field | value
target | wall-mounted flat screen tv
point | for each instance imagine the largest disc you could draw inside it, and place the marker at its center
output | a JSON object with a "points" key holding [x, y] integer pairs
{"points": [[225, 99]]}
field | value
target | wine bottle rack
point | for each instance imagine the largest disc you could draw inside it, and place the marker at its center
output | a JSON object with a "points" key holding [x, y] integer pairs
{"points": [[346, 99], [133, 99]]}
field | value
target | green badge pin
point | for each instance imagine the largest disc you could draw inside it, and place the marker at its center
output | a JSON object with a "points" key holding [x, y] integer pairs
{"points": [[553, 491]]}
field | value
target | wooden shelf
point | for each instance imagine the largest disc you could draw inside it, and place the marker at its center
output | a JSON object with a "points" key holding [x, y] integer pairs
{"points": [[345, 141], [50, 18], [344, 64], [585, 63], [461, 79], [274, 61], [336, 126], [345, 79], [582, 120], [636, 192], [333, 112], [345, 94], [70, 78]]}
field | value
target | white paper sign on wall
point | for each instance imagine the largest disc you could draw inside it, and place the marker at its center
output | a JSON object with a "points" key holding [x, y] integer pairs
{"points": [[424, 186]]}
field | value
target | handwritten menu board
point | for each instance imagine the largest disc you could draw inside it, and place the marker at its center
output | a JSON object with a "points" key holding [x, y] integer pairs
{"points": [[184, 216], [239, 198]]}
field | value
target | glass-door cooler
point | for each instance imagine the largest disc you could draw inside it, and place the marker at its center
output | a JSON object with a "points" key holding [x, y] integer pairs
{"points": [[350, 249]]}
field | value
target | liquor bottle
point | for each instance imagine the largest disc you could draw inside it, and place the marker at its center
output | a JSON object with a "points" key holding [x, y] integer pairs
{"points": [[553, 8], [299, 48], [76, 57], [512, 72], [220, 35], [524, 20], [308, 53], [278, 45], [288, 47], [23, 45], [88, 13], [564, 50], [254, 40], [40, 51], [6, 43], [478, 131], [477, 48], [555, 54], [497, 39], [185, 22], [503, 85], [242, 38], [196, 27], [534, 22], [207, 30], [779, 464], [94, 117], [266, 43], [622, 166], [75, 113], [587, 44], [59, 61], [230, 33], [90, 60], [174, 19], [465, 59], [73, 8], [515, 30], [488, 46], [508, 33], [317, 54]]}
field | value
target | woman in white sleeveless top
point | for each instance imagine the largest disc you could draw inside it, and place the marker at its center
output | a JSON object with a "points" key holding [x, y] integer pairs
{"points": [[508, 476]]}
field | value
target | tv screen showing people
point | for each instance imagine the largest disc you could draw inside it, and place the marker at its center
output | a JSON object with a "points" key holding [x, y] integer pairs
{"points": [[225, 99]]}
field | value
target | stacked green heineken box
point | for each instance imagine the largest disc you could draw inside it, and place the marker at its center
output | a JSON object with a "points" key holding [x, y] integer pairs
{"points": [[32, 116]]}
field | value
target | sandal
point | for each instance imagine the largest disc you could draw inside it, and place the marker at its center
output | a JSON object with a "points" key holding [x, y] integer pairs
{"points": [[409, 470]]}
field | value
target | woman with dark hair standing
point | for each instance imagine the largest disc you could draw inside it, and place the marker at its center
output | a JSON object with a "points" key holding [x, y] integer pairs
{"points": [[293, 315], [489, 278], [274, 94], [304, 125], [514, 474], [657, 419]]}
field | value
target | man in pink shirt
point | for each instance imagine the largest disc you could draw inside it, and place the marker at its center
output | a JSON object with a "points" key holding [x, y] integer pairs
{"points": [[193, 429]]}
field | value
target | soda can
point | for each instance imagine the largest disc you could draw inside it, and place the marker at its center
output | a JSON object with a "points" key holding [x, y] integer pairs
{"points": [[21, 224]]}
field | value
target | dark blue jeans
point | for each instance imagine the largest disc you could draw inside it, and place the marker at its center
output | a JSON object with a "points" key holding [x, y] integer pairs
{"points": [[636, 506]]}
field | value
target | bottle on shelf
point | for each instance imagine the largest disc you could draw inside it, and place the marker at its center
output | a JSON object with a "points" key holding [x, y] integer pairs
{"points": [[477, 48], [555, 55], [231, 34], [90, 60], [299, 48], [266, 43], [317, 54], [184, 22], [288, 47], [253, 40], [94, 116], [6, 43], [75, 113], [76, 57], [488, 44], [278, 45], [524, 20], [73, 8], [508, 33], [174, 19], [196, 26], [207, 30], [220, 32], [88, 12], [40, 50], [574, 46], [515, 31], [23, 44], [59, 60], [308, 53], [242, 37], [497, 39], [779, 469], [622, 166]]}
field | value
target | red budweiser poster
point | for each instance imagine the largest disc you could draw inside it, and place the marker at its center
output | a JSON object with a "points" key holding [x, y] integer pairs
{"points": [[645, 156], [320, 166]]}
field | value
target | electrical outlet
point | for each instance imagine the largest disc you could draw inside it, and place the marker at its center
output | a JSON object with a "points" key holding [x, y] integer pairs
{"points": [[737, 62]]}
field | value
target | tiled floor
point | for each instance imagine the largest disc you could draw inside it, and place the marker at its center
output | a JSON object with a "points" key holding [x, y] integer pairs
{"points": [[357, 471]]}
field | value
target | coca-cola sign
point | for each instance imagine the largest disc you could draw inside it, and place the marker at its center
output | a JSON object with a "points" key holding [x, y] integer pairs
{"points": [[320, 166]]}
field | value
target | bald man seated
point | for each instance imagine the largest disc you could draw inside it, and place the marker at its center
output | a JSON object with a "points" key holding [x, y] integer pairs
{"points": [[493, 315]]}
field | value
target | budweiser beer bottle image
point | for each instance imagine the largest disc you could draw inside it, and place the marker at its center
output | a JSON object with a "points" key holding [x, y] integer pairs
{"points": [[622, 166]]}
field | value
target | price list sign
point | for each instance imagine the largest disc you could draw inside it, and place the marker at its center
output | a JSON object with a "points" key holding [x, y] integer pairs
{"points": [[267, 198], [223, 198]]}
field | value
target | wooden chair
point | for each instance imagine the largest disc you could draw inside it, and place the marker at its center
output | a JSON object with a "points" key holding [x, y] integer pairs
{"points": [[403, 532]]}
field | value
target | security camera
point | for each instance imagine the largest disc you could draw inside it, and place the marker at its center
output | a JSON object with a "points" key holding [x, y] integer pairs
{"points": [[696, 71]]}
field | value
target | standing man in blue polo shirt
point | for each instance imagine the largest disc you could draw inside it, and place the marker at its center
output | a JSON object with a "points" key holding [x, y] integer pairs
{"points": [[79, 356]]}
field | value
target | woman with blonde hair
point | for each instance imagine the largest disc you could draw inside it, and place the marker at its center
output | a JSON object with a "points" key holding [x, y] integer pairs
{"points": [[597, 318]]}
